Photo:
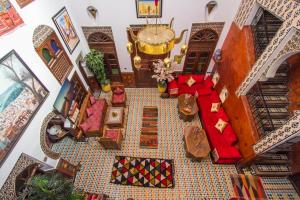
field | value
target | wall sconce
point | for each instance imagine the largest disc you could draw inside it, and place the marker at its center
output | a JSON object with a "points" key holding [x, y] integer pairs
{"points": [[93, 11]]}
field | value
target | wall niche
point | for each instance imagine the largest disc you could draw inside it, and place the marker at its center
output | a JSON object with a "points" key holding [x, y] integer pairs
{"points": [[51, 51]]}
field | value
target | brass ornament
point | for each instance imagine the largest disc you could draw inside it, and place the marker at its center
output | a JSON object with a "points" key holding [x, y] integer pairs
{"points": [[129, 47], [137, 61], [183, 49]]}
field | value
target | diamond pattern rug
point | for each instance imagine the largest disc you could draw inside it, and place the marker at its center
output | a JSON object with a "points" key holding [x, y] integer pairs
{"points": [[145, 172], [149, 138]]}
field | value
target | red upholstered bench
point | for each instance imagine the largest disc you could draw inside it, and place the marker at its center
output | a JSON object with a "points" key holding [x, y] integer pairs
{"points": [[221, 143]]}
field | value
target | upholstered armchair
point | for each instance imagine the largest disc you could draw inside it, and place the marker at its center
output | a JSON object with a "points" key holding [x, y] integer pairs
{"points": [[118, 98], [112, 139]]}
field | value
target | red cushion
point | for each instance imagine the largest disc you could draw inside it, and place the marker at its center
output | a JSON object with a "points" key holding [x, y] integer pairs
{"points": [[94, 122], [227, 155], [93, 100], [112, 134], [98, 106], [84, 126], [118, 98], [118, 91], [89, 111]]}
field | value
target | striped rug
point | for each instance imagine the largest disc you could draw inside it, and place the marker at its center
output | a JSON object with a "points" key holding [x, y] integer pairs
{"points": [[149, 138]]}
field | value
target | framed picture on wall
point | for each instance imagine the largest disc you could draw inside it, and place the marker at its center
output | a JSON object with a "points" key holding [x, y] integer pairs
{"points": [[23, 3], [9, 18], [147, 8], [21, 95], [66, 29]]}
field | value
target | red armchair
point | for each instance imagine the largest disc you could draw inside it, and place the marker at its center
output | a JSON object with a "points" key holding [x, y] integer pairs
{"points": [[118, 95]]}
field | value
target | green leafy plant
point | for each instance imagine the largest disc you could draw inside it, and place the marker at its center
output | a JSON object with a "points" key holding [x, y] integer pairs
{"points": [[53, 186], [95, 62]]}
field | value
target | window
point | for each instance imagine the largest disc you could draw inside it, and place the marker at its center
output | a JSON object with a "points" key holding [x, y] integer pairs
{"points": [[54, 46], [46, 55]]}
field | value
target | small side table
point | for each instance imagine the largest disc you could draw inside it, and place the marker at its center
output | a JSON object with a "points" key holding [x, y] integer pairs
{"points": [[195, 143], [66, 168], [187, 107], [115, 117]]}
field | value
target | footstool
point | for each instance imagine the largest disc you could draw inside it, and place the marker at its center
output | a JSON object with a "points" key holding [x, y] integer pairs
{"points": [[115, 117]]}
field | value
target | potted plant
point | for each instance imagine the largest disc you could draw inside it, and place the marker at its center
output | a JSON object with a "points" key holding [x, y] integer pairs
{"points": [[163, 73], [50, 186], [95, 62]]}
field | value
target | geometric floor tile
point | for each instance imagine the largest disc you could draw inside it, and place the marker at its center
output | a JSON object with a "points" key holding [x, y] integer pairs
{"points": [[192, 180]]}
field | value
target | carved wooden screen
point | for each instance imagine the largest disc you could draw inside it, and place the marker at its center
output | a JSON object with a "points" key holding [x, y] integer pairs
{"points": [[51, 51], [200, 51]]}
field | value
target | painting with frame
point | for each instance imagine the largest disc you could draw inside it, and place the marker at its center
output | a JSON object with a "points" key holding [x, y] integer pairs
{"points": [[147, 8], [21, 96], [9, 17], [23, 3], [66, 29]]}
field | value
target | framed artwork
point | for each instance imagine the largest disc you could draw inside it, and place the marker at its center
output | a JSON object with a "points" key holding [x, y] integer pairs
{"points": [[9, 18], [147, 8], [66, 29], [21, 95], [23, 3]]}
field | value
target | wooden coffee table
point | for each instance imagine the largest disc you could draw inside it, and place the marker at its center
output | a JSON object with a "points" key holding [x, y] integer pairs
{"points": [[115, 117], [195, 143], [187, 107]]}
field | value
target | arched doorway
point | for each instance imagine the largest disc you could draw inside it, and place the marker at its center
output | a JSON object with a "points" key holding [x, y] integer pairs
{"points": [[105, 44], [201, 48]]}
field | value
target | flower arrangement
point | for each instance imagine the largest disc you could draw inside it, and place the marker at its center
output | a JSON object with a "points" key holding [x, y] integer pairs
{"points": [[163, 73]]}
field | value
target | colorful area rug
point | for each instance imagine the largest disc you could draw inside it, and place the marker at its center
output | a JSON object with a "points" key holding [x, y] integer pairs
{"points": [[149, 138], [248, 187], [144, 172]]}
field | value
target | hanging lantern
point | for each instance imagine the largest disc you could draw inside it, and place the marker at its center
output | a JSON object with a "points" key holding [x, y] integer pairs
{"points": [[129, 47], [167, 62], [137, 61], [183, 49]]}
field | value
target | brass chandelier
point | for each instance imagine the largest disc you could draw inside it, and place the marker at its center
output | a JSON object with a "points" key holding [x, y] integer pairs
{"points": [[155, 39]]}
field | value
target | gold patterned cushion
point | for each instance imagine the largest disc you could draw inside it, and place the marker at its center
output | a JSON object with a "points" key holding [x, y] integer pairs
{"points": [[190, 82], [215, 107], [221, 125]]}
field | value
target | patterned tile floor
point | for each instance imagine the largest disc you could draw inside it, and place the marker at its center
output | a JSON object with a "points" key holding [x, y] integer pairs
{"points": [[193, 180]]}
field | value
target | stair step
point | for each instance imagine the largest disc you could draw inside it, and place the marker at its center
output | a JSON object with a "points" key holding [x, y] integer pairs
{"points": [[271, 170]]}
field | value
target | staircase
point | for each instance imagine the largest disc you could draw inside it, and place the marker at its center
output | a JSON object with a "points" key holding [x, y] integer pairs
{"points": [[269, 101], [264, 27]]}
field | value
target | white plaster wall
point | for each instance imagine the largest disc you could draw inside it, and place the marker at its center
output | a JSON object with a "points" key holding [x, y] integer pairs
{"points": [[119, 14], [34, 14], [116, 13]]}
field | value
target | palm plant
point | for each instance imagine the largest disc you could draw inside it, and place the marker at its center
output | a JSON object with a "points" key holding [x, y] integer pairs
{"points": [[53, 186]]}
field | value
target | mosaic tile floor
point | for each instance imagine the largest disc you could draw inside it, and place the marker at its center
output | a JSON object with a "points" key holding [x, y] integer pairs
{"points": [[193, 180]]}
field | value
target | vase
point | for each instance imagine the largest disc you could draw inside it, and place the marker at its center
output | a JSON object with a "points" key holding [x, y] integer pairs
{"points": [[162, 86], [106, 87]]}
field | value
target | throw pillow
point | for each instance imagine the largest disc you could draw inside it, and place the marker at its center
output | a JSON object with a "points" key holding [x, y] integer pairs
{"points": [[118, 91], [215, 107], [190, 82], [93, 100], [89, 111], [84, 126], [221, 125]]}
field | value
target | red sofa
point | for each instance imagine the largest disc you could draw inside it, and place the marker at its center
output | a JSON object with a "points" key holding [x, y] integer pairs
{"points": [[222, 144], [93, 120]]}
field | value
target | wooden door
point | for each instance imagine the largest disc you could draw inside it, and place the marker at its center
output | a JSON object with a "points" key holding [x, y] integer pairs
{"points": [[201, 47], [105, 44], [143, 76]]}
